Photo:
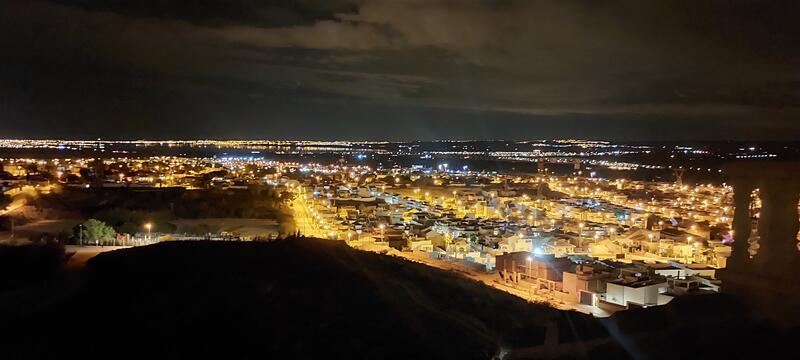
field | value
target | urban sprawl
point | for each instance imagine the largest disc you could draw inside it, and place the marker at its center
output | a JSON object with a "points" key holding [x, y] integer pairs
{"points": [[574, 241]]}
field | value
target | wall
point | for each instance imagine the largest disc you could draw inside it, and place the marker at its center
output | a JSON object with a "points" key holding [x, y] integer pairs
{"points": [[570, 285], [621, 295], [615, 294]]}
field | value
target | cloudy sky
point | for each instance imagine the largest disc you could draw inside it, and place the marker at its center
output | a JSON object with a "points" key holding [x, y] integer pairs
{"points": [[400, 69]]}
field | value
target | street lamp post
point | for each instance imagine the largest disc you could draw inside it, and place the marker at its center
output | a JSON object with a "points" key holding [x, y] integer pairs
{"points": [[148, 226]]}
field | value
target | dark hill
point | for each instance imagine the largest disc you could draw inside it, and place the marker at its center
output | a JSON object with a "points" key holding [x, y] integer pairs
{"points": [[299, 298], [309, 297], [317, 299]]}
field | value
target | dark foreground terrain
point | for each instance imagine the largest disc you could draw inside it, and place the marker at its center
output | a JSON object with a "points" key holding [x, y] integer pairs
{"points": [[314, 299]]}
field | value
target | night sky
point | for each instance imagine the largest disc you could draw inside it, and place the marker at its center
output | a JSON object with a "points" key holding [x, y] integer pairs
{"points": [[400, 69]]}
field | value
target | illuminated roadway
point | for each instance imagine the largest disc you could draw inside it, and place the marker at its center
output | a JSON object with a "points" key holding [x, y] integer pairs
{"points": [[20, 201], [303, 218]]}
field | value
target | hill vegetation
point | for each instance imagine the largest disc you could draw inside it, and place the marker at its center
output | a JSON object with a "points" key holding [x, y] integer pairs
{"points": [[126, 210]]}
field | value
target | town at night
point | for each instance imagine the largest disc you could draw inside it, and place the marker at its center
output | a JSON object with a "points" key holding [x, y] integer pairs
{"points": [[380, 179]]}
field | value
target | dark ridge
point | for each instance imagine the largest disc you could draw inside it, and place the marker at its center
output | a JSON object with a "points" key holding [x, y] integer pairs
{"points": [[24, 265], [309, 298], [300, 298]]}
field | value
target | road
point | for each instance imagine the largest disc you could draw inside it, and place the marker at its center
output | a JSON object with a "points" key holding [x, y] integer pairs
{"points": [[20, 201], [304, 220], [79, 255]]}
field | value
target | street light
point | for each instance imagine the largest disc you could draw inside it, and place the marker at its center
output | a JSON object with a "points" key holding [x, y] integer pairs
{"points": [[148, 226]]}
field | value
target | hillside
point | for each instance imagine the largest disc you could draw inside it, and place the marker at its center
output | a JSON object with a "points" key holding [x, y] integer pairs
{"points": [[308, 298]]}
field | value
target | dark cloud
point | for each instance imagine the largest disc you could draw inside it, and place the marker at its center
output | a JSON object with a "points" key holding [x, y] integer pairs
{"points": [[260, 13], [633, 69]]}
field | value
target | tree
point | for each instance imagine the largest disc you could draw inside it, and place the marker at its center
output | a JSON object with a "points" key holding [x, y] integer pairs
{"points": [[97, 171], [31, 169], [96, 231], [287, 196]]}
